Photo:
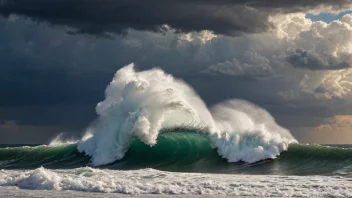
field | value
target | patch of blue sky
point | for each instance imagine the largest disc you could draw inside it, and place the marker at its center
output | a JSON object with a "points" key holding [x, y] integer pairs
{"points": [[327, 17]]}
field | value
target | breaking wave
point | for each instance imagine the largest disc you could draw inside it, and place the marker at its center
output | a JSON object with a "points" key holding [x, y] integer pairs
{"points": [[139, 105]]}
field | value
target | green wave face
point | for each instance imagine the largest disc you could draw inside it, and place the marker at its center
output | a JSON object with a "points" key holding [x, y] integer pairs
{"points": [[187, 151], [63, 156], [174, 151]]}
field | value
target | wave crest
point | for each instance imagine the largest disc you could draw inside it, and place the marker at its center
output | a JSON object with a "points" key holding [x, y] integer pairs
{"points": [[141, 104]]}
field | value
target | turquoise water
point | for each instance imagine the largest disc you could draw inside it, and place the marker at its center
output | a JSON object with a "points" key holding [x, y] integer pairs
{"points": [[185, 152]]}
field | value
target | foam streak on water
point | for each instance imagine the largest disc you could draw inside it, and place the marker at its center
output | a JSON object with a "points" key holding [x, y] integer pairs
{"points": [[150, 181]]}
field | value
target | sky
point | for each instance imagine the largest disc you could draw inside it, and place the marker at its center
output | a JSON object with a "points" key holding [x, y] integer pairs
{"points": [[292, 58]]}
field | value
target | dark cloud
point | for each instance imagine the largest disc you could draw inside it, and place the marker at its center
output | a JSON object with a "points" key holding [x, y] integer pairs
{"points": [[28, 134], [229, 17], [313, 61], [298, 6], [252, 64]]}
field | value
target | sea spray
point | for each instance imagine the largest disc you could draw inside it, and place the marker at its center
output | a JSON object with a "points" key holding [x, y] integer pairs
{"points": [[61, 140], [248, 132], [140, 104]]}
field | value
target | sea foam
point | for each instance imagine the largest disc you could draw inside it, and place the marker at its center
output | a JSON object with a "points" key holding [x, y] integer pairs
{"points": [[150, 181]]}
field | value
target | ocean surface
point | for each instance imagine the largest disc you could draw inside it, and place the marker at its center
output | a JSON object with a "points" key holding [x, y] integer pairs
{"points": [[181, 163], [154, 135]]}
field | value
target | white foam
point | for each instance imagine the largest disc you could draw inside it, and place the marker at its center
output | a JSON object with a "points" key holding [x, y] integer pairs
{"points": [[150, 181], [139, 104]]}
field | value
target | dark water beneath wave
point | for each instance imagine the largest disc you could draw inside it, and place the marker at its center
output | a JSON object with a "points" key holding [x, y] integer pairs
{"points": [[186, 152]]}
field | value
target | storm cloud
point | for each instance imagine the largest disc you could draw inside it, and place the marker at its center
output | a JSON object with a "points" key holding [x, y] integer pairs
{"points": [[311, 60], [262, 51], [227, 17]]}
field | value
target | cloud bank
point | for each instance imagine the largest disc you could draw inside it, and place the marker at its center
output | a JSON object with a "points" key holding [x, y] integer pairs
{"points": [[227, 17]]}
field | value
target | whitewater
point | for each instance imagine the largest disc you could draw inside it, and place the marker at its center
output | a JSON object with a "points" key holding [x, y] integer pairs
{"points": [[150, 181], [154, 135]]}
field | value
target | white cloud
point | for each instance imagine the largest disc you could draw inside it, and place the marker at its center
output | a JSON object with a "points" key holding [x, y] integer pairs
{"points": [[316, 45], [347, 19], [336, 84]]}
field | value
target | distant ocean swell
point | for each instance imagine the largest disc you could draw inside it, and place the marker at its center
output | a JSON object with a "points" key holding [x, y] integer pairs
{"points": [[186, 151]]}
